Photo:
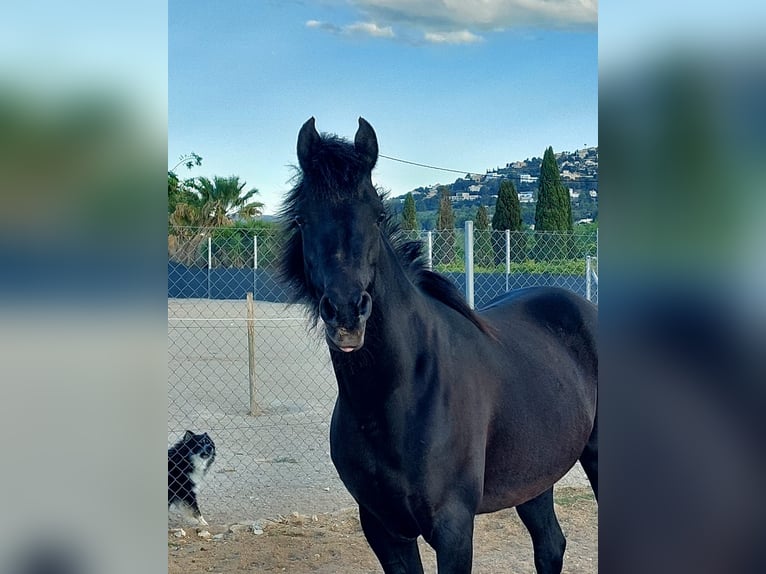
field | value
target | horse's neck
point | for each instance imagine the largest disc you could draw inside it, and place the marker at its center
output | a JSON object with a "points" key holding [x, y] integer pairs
{"points": [[376, 369]]}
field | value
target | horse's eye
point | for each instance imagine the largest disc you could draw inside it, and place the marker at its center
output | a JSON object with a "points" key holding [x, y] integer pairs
{"points": [[298, 221], [381, 217]]}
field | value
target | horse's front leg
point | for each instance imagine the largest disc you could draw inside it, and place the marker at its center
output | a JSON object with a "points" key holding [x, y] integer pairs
{"points": [[396, 555], [452, 539]]}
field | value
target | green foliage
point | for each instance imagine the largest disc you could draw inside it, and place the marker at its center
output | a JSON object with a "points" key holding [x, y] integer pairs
{"points": [[445, 218], [225, 197], [482, 238], [508, 209], [530, 266], [409, 214], [508, 217], [554, 208], [444, 241], [180, 191], [198, 207], [553, 211], [481, 222], [233, 245], [189, 160]]}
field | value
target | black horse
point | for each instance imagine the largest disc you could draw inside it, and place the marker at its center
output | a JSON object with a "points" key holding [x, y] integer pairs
{"points": [[442, 413]]}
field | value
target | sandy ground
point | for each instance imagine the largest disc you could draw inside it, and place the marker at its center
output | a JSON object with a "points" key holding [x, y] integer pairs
{"points": [[333, 543]]}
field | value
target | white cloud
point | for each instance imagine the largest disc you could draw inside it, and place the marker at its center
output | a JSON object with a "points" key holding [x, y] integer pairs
{"points": [[326, 26], [456, 37], [461, 21], [452, 15], [371, 29], [358, 28]]}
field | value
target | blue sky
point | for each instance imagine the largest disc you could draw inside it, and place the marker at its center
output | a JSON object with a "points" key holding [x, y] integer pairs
{"points": [[462, 84]]}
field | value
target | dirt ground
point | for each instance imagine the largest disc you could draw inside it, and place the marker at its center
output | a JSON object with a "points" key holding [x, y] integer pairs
{"points": [[334, 543]]}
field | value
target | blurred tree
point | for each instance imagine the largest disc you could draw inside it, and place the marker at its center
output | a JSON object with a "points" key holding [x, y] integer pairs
{"points": [[482, 219], [483, 238], [409, 214], [444, 240]]}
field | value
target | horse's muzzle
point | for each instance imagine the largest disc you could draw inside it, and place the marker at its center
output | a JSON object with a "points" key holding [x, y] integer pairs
{"points": [[343, 340], [345, 323]]}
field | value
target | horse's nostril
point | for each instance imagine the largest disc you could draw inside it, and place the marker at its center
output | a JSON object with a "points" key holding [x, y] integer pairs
{"points": [[365, 305], [327, 310]]}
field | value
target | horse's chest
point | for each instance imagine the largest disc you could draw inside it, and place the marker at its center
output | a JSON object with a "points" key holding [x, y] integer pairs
{"points": [[378, 477]]}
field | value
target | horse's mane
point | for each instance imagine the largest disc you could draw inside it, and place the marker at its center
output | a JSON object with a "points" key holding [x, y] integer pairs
{"points": [[336, 165], [411, 256]]}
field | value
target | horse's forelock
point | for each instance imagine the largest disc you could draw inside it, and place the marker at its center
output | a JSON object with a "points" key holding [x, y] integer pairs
{"points": [[332, 171]]}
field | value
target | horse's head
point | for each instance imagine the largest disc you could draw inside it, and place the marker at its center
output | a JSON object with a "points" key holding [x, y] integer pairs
{"points": [[336, 215]]}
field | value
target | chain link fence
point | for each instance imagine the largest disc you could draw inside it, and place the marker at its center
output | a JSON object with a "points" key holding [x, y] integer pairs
{"points": [[250, 372]]}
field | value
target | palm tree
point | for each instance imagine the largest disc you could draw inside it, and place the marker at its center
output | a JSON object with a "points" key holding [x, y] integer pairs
{"points": [[223, 199], [211, 203]]}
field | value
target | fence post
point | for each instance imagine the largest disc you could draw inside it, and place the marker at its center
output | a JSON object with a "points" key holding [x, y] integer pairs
{"points": [[587, 277], [209, 262], [255, 264], [430, 250], [507, 258], [255, 410], [469, 262]]}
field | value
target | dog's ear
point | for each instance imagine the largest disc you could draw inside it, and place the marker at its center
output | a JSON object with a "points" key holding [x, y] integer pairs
{"points": [[188, 435]]}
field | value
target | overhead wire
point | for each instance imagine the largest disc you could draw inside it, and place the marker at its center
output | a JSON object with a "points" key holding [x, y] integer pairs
{"points": [[466, 172]]}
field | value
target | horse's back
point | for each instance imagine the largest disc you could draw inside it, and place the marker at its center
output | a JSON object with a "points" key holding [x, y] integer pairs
{"points": [[564, 315]]}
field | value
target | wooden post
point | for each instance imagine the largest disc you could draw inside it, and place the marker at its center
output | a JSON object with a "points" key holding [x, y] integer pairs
{"points": [[255, 410]]}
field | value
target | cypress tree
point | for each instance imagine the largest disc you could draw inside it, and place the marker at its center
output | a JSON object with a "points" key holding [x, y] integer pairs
{"points": [[508, 216], [483, 234], [444, 250], [553, 211], [409, 214], [482, 219], [508, 209]]}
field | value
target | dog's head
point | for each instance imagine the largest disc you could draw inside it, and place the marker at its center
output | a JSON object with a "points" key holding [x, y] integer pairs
{"points": [[199, 444]]}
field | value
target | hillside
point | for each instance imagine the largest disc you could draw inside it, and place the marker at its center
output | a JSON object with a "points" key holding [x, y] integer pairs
{"points": [[579, 173]]}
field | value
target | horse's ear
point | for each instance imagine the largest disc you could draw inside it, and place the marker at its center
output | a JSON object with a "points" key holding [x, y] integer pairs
{"points": [[308, 138], [366, 143]]}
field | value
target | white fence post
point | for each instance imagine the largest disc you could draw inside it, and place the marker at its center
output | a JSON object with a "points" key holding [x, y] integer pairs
{"points": [[255, 265], [507, 258], [469, 263], [591, 277], [430, 250], [255, 409], [209, 262]]}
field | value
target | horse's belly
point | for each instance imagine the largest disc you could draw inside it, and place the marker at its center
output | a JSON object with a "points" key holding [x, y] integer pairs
{"points": [[515, 473], [499, 494]]}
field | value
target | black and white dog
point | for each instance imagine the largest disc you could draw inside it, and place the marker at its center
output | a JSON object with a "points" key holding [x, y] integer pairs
{"points": [[188, 462]]}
